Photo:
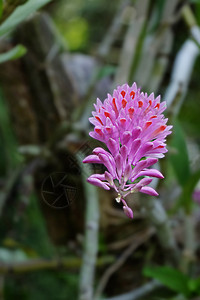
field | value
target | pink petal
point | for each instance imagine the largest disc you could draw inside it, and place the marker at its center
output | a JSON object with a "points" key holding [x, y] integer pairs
{"points": [[143, 182], [96, 136], [100, 150], [143, 150], [136, 132], [149, 172], [152, 173], [150, 161], [98, 183], [119, 165], [149, 190], [105, 160], [113, 146], [128, 212], [139, 166], [109, 178], [134, 148], [98, 176], [92, 159], [126, 137], [124, 152], [127, 172]]}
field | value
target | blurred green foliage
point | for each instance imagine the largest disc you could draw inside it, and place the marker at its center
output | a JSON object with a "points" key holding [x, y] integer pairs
{"points": [[8, 144], [44, 285], [20, 13], [75, 33], [83, 25], [175, 280], [32, 241]]}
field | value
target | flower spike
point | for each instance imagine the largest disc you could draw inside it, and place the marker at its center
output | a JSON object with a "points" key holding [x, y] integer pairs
{"points": [[132, 126]]}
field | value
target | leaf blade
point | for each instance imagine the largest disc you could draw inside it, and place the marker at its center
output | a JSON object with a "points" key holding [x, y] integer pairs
{"points": [[173, 279], [15, 53], [20, 14]]}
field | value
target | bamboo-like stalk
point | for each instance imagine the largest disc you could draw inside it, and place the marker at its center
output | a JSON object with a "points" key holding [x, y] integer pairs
{"points": [[161, 62], [113, 31], [91, 236], [181, 75], [137, 21], [183, 67], [153, 46]]}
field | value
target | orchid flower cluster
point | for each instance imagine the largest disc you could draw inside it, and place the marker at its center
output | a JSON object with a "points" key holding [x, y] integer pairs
{"points": [[132, 126]]}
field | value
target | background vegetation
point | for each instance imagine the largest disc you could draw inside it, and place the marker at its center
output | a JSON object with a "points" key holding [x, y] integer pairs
{"points": [[56, 58]]}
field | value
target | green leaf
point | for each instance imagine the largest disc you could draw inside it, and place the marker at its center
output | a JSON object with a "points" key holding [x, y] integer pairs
{"points": [[173, 279], [179, 154], [194, 285], [20, 14], [12, 54]]}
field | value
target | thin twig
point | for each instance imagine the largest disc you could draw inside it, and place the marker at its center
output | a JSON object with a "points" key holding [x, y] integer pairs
{"points": [[139, 239], [138, 293], [161, 61], [122, 243]]}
